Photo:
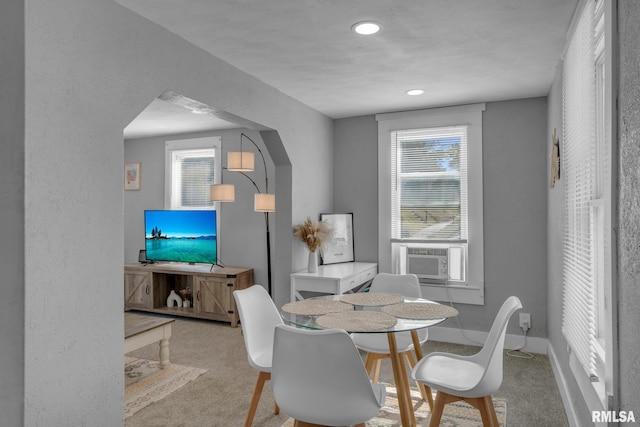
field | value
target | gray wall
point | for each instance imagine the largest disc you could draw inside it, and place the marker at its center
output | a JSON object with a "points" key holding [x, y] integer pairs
{"points": [[12, 262], [242, 239], [515, 179], [91, 67], [355, 163], [629, 205]]}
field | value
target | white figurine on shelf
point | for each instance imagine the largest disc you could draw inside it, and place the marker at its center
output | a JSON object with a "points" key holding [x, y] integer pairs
{"points": [[174, 299]]}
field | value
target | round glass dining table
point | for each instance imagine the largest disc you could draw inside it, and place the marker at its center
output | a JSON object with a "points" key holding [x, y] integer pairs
{"points": [[316, 313]]}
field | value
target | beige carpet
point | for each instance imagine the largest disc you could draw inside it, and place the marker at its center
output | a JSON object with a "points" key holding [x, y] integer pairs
{"points": [[457, 414], [146, 383]]}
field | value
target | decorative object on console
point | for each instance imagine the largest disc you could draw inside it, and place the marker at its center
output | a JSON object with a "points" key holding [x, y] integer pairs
{"points": [[174, 299], [186, 297], [241, 162], [314, 234], [312, 263], [340, 248]]}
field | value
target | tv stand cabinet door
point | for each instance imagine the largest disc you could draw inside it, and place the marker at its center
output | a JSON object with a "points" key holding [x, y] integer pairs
{"points": [[138, 292], [213, 299]]}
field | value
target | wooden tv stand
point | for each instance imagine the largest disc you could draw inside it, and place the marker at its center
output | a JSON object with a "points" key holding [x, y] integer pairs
{"points": [[147, 286]]}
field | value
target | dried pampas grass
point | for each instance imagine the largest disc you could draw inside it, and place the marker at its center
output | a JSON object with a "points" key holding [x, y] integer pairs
{"points": [[312, 233]]}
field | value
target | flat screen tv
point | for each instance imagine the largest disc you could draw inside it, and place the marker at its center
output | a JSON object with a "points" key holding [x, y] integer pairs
{"points": [[187, 236]]}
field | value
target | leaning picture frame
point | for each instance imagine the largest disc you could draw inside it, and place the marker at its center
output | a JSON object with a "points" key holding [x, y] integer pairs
{"points": [[132, 176], [341, 246]]}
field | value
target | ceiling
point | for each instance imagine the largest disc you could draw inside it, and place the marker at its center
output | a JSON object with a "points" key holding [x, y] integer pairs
{"points": [[458, 51]]}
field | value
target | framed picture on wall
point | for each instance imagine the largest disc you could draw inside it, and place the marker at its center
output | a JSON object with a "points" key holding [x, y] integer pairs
{"points": [[132, 176], [341, 246]]}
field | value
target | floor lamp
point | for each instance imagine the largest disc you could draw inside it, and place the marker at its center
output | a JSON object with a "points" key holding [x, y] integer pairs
{"points": [[242, 162]]}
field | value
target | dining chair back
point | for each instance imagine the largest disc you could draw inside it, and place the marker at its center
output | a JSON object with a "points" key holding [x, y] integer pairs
{"points": [[406, 285], [470, 378], [318, 377], [377, 345], [258, 318]]}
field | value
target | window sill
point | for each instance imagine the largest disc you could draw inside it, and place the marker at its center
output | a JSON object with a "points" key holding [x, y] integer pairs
{"points": [[453, 293], [593, 393]]}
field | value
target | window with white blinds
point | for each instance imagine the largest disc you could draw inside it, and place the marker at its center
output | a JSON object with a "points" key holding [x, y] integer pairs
{"points": [[582, 208], [192, 166], [429, 184], [192, 176], [430, 197]]}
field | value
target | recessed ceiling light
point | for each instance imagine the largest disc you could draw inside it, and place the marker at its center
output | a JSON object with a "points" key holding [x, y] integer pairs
{"points": [[366, 27], [414, 92]]}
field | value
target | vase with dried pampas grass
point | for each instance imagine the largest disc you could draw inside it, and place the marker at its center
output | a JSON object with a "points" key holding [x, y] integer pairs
{"points": [[314, 234]]}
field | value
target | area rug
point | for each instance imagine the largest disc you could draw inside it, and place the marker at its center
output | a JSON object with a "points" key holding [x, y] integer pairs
{"points": [[145, 382], [458, 414]]}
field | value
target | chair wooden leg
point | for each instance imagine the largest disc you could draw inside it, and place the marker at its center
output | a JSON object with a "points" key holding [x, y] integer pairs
{"points": [[425, 390], [257, 391], [368, 363], [372, 365], [488, 401], [442, 399], [484, 413], [376, 370], [276, 408], [418, 350], [436, 413], [487, 411]]}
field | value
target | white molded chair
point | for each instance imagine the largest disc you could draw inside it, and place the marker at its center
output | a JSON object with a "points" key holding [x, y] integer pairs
{"points": [[258, 317], [470, 378], [377, 345], [318, 378]]}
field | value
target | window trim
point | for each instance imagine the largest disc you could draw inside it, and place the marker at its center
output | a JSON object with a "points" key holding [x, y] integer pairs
{"points": [[213, 142], [601, 394], [471, 115]]}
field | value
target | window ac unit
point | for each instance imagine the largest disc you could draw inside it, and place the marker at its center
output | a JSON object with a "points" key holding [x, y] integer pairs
{"points": [[429, 264]]}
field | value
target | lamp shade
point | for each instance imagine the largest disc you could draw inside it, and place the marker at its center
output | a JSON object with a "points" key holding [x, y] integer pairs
{"points": [[223, 193], [264, 202], [240, 161]]}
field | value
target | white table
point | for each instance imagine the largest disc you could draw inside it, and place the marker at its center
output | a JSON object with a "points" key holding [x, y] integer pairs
{"points": [[140, 331], [332, 278]]}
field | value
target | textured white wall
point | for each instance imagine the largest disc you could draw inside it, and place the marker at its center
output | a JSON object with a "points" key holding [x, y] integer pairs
{"points": [[92, 66], [629, 205]]}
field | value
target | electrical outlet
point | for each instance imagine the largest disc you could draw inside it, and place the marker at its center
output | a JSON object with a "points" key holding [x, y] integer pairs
{"points": [[525, 321]]}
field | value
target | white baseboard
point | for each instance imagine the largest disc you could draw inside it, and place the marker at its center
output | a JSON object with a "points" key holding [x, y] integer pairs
{"points": [[561, 381], [458, 336]]}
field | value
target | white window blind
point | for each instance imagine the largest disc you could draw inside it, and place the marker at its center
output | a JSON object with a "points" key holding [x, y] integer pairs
{"points": [[579, 173], [192, 166], [429, 184], [193, 174]]}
